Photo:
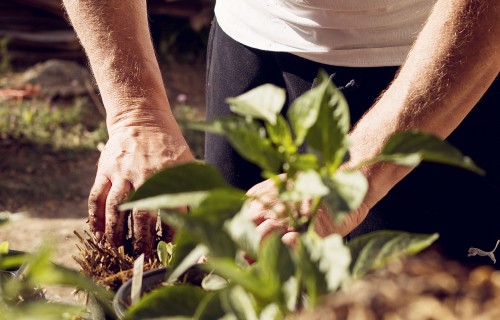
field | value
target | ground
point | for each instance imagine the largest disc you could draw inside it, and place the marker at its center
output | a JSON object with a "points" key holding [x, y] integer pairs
{"points": [[52, 186]]}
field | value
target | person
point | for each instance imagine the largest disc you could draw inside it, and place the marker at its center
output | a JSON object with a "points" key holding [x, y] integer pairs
{"points": [[430, 65]]}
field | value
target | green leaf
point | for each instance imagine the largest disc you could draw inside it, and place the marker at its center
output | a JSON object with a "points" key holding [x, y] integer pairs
{"points": [[4, 247], [330, 255], [12, 260], [210, 307], [178, 300], [213, 282], [311, 277], [243, 232], [347, 191], [95, 308], [375, 249], [182, 178], [67, 277], [167, 201], [329, 134], [205, 222], [187, 253], [275, 264], [227, 268], [240, 303], [307, 185], [304, 112], [302, 162], [291, 293], [409, 148], [281, 135], [203, 231], [42, 311], [263, 102], [220, 205], [216, 200], [40, 270], [190, 260], [271, 312], [247, 138], [165, 252]]}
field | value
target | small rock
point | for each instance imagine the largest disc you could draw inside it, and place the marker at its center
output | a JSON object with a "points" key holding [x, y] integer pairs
{"points": [[58, 78]]}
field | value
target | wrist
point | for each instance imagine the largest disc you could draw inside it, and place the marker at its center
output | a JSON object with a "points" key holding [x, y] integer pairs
{"points": [[160, 119]]}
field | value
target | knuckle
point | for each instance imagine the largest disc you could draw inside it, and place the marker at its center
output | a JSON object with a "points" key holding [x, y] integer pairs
{"points": [[142, 216], [272, 224]]}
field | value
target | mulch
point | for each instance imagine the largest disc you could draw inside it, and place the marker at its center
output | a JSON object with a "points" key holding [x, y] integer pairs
{"points": [[422, 287]]}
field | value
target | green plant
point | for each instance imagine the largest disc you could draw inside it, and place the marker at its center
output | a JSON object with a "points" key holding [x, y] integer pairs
{"points": [[19, 294], [165, 252], [282, 280], [41, 122], [22, 276]]}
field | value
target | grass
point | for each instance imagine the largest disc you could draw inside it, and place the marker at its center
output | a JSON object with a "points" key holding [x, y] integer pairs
{"points": [[74, 126], [45, 123]]}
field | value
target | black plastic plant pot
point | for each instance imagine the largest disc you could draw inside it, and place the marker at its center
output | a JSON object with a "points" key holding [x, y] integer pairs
{"points": [[12, 272], [32, 294], [150, 280]]}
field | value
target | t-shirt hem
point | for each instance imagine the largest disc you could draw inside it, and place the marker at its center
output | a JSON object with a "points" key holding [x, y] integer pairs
{"points": [[363, 57]]}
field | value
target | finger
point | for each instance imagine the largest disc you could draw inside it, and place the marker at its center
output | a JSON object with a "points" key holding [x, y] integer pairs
{"points": [[290, 239], [143, 231], [259, 211], [305, 207], [323, 222], [97, 205], [351, 221], [346, 225], [272, 225], [115, 229]]}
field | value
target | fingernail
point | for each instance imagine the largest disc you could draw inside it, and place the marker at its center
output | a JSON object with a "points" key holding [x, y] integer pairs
{"points": [[98, 235]]}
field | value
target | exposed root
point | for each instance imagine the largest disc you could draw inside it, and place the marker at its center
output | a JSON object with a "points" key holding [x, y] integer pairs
{"points": [[108, 265]]}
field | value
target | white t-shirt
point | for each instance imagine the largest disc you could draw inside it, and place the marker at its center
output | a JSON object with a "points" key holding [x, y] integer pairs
{"points": [[353, 33]]}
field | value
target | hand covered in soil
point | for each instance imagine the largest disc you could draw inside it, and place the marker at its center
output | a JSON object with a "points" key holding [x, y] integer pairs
{"points": [[131, 154], [268, 213]]}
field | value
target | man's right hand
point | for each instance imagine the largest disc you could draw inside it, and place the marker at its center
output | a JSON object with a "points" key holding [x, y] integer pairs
{"points": [[131, 154]]}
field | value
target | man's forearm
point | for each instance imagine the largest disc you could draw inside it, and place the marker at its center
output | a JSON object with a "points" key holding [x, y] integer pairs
{"points": [[453, 62], [115, 36]]}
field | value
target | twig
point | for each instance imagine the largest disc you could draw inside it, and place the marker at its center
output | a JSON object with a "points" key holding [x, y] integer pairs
{"points": [[478, 252]]}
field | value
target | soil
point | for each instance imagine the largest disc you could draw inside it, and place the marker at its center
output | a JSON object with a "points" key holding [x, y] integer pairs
{"points": [[423, 287]]}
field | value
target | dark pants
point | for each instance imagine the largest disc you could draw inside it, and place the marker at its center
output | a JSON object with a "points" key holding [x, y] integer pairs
{"points": [[462, 206]]}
